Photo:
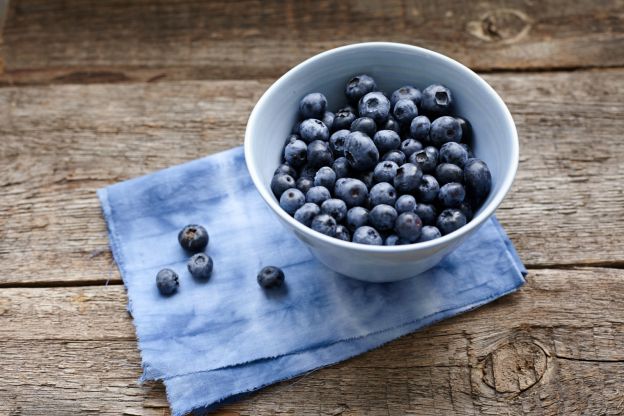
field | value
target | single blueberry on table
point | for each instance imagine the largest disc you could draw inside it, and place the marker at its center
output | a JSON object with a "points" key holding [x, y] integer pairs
{"points": [[395, 156], [319, 154], [382, 217], [313, 129], [280, 183], [406, 92], [427, 189], [317, 195], [360, 151], [466, 129], [343, 119], [364, 124], [194, 238], [308, 171], [419, 128], [443, 130], [366, 177], [313, 105], [428, 233], [367, 235], [436, 100], [405, 203], [325, 177], [392, 240], [454, 153], [376, 106], [410, 146], [450, 220], [341, 167], [451, 195], [296, 153], [357, 217], [285, 169], [291, 200], [447, 172], [391, 124], [383, 193], [404, 112], [426, 212], [352, 191], [200, 266], [337, 142], [167, 282], [386, 140], [324, 224], [306, 213], [466, 209], [328, 119], [342, 233], [304, 184], [478, 180], [270, 276], [408, 227], [359, 86], [385, 171], [335, 207], [408, 178]]}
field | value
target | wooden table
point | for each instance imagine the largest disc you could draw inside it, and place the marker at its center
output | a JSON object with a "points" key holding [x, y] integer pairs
{"points": [[95, 92]]}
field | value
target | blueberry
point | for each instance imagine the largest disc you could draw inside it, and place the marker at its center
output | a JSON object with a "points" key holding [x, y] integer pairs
{"points": [[343, 119], [270, 276], [376, 106], [466, 129], [285, 169], [382, 217], [357, 217], [392, 240], [342, 233], [466, 209], [364, 124], [324, 224], [317, 195], [328, 119], [307, 171], [352, 191], [291, 200], [428, 189], [359, 86], [367, 235], [407, 178], [360, 151], [337, 142], [420, 127], [341, 167], [454, 153], [366, 177], [335, 207], [404, 111], [296, 153], [194, 238], [280, 183], [313, 105], [200, 266], [395, 156], [383, 193], [478, 180], [391, 124], [436, 100], [167, 282], [408, 226], [386, 140], [447, 172], [319, 154], [406, 92], [426, 212], [325, 177], [428, 233], [304, 184], [445, 129], [313, 129], [405, 203], [426, 159], [306, 213], [410, 146], [385, 171], [450, 220], [452, 194]]}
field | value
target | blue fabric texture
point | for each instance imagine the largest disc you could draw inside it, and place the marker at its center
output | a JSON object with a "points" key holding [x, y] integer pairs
{"points": [[220, 338]]}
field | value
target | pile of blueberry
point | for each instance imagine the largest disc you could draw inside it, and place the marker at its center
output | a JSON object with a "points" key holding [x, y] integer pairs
{"points": [[381, 170]]}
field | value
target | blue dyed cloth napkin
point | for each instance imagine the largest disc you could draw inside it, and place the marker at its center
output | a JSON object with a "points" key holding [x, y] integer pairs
{"points": [[226, 336]]}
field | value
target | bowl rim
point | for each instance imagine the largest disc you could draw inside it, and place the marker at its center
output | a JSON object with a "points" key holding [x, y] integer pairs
{"points": [[438, 243]]}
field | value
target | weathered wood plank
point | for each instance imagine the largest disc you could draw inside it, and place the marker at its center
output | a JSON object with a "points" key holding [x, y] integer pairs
{"points": [[555, 347], [59, 144], [116, 41]]}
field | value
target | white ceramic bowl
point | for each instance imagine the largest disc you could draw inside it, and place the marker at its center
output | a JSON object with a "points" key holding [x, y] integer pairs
{"points": [[392, 65]]}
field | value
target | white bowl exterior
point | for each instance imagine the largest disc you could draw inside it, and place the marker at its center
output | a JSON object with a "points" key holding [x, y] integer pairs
{"points": [[392, 66]]}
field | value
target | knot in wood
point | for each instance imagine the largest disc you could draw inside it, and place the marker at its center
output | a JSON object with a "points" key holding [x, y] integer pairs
{"points": [[514, 367], [501, 25]]}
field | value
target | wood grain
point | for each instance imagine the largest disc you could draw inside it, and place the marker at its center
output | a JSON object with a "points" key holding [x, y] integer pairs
{"points": [[116, 41], [58, 144], [555, 347]]}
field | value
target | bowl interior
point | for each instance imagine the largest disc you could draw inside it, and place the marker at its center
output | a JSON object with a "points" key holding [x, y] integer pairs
{"points": [[392, 66]]}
